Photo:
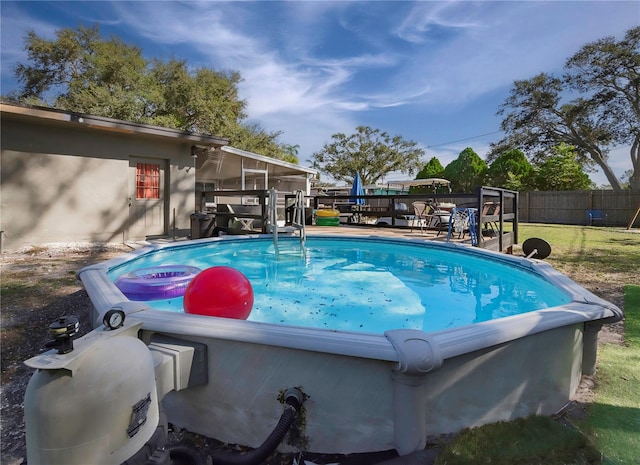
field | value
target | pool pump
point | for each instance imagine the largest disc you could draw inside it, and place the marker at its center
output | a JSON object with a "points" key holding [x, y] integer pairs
{"points": [[93, 403], [62, 331], [97, 399]]}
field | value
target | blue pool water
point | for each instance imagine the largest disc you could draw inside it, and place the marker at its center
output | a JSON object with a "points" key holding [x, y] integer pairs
{"points": [[365, 285]]}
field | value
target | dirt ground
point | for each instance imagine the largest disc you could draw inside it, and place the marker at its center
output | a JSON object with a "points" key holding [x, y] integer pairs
{"points": [[39, 286]]}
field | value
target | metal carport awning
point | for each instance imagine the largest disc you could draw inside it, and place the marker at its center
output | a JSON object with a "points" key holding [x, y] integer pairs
{"points": [[229, 163]]}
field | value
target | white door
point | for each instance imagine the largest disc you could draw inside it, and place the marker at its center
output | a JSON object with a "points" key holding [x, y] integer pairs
{"points": [[146, 197]]}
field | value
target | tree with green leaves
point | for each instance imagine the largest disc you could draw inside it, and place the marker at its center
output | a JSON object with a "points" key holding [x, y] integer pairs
{"points": [[433, 169], [80, 71], [291, 153], [539, 121], [562, 171], [252, 138], [610, 72], [510, 170], [626, 178], [370, 152], [202, 100], [603, 78], [466, 172]]}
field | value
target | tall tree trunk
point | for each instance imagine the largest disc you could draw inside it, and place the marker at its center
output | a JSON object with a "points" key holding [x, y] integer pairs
{"points": [[596, 155], [611, 177], [634, 181]]}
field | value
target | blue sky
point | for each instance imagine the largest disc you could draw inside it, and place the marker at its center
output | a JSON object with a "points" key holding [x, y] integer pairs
{"points": [[433, 72]]}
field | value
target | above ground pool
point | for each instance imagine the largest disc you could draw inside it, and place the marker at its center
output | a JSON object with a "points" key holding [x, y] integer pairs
{"points": [[354, 285], [391, 340]]}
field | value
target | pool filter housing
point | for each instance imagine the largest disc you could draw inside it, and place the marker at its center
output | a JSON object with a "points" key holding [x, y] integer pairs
{"points": [[95, 404]]}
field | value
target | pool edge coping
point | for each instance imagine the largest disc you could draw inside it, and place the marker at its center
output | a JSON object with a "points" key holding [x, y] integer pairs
{"points": [[584, 307]]}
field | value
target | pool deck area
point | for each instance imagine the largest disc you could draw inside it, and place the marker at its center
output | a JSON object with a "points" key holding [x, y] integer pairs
{"points": [[352, 230], [363, 230]]}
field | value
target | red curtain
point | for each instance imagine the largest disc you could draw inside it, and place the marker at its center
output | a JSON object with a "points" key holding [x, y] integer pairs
{"points": [[147, 181]]}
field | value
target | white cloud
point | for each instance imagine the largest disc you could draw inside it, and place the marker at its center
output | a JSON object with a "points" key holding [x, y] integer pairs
{"points": [[429, 17], [432, 58], [474, 48], [270, 84]]}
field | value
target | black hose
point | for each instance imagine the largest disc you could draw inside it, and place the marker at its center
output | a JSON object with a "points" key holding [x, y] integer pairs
{"points": [[293, 402], [184, 456]]}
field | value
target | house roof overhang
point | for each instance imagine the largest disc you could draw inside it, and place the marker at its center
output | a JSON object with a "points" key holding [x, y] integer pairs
{"points": [[109, 124], [216, 148]]}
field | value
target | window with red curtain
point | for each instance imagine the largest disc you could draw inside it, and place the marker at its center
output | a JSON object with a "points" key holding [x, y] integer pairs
{"points": [[147, 181]]}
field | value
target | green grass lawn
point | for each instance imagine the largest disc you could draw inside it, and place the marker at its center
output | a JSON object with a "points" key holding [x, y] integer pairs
{"points": [[602, 250], [610, 433], [614, 417]]}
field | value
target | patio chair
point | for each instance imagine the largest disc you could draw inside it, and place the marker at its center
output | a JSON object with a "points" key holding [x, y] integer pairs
{"points": [[238, 219], [421, 211], [490, 228], [597, 215], [440, 221]]}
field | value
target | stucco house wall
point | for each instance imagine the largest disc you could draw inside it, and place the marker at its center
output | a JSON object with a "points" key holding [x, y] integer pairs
{"points": [[64, 180], [68, 177]]}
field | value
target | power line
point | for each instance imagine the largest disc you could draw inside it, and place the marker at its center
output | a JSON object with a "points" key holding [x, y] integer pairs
{"points": [[462, 140]]}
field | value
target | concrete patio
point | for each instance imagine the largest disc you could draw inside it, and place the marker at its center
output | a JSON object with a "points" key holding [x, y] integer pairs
{"points": [[362, 230]]}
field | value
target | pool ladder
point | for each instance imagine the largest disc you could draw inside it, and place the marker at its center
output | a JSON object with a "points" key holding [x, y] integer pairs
{"points": [[297, 222]]}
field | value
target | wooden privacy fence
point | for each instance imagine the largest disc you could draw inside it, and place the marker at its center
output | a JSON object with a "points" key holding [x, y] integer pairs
{"points": [[570, 207]]}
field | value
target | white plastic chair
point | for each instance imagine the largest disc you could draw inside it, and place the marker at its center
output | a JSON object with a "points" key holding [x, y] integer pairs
{"points": [[461, 221]]}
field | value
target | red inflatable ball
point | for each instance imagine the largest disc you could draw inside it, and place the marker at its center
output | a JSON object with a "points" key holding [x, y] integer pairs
{"points": [[219, 291]]}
